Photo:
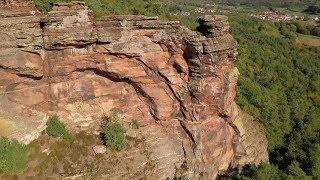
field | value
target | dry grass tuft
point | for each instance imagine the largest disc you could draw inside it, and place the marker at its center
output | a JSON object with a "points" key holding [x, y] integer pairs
{"points": [[4, 128]]}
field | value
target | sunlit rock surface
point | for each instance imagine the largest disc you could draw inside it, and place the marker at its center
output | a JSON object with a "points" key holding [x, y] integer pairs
{"points": [[179, 84]]}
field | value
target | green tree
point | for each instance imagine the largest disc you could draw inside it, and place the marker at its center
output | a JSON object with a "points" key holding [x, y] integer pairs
{"points": [[13, 156], [295, 172], [279, 86], [267, 172], [57, 128], [134, 124], [315, 160], [113, 134]]}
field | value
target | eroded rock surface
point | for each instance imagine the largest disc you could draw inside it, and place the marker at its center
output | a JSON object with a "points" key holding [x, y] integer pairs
{"points": [[179, 84]]}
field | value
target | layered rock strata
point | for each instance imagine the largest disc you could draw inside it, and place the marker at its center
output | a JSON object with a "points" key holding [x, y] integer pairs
{"points": [[179, 84]]}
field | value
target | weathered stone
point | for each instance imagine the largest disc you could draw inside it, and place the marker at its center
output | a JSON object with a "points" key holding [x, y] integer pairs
{"points": [[179, 84], [249, 141], [99, 149], [213, 26]]}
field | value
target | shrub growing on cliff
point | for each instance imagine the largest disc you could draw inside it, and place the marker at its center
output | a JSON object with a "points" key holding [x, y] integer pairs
{"points": [[13, 156], [43, 5], [113, 134], [57, 128], [134, 124]]}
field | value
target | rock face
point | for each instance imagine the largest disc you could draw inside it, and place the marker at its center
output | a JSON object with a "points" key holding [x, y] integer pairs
{"points": [[179, 84]]}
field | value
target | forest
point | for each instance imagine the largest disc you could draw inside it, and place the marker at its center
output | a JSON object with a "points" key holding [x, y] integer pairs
{"points": [[280, 86]]}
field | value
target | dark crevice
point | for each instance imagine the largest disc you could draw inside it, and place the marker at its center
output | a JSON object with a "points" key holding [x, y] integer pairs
{"points": [[183, 110], [115, 78], [177, 67], [184, 150], [204, 30], [194, 97], [191, 55], [16, 72], [234, 127], [165, 79], [61, 46], [31, 52], [124, 54], [42, 24], [188, 132], [6, 68], [148, 67], [167, 82], [222, 115], [190, 52], [83, 44], [102, 43], [235, 139], [30, 76]]}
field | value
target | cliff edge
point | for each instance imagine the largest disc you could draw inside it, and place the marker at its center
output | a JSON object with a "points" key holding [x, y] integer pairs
{"points": [[179, 84]]}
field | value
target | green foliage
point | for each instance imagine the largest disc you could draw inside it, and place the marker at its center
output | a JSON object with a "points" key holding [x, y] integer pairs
{"points": [[103, 7], [56, 128], [190, 21], [46, 5], [267, 172], [280, 86], [13, 156], [290, 29], [43, 5], [113, 134], [312, 9], [134, 124], [74, 157], [315, 161], [295, 171], [97, 7], [261, 172]]}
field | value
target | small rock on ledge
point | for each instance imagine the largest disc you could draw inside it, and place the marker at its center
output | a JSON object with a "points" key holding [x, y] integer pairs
{"points": [[100, 149]]}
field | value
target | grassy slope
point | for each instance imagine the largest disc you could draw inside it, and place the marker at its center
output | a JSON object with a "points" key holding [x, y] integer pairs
{"points": [[60, 158]]}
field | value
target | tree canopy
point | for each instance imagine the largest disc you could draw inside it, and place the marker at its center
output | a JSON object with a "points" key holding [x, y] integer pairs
{"points": [[280, 86]]}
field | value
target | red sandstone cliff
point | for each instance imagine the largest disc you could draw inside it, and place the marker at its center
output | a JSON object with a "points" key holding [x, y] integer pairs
{"points": [[179, 84]]}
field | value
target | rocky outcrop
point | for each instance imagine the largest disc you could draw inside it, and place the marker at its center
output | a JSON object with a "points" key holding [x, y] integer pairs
{"points": [[179, 84], [249, 140]]}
